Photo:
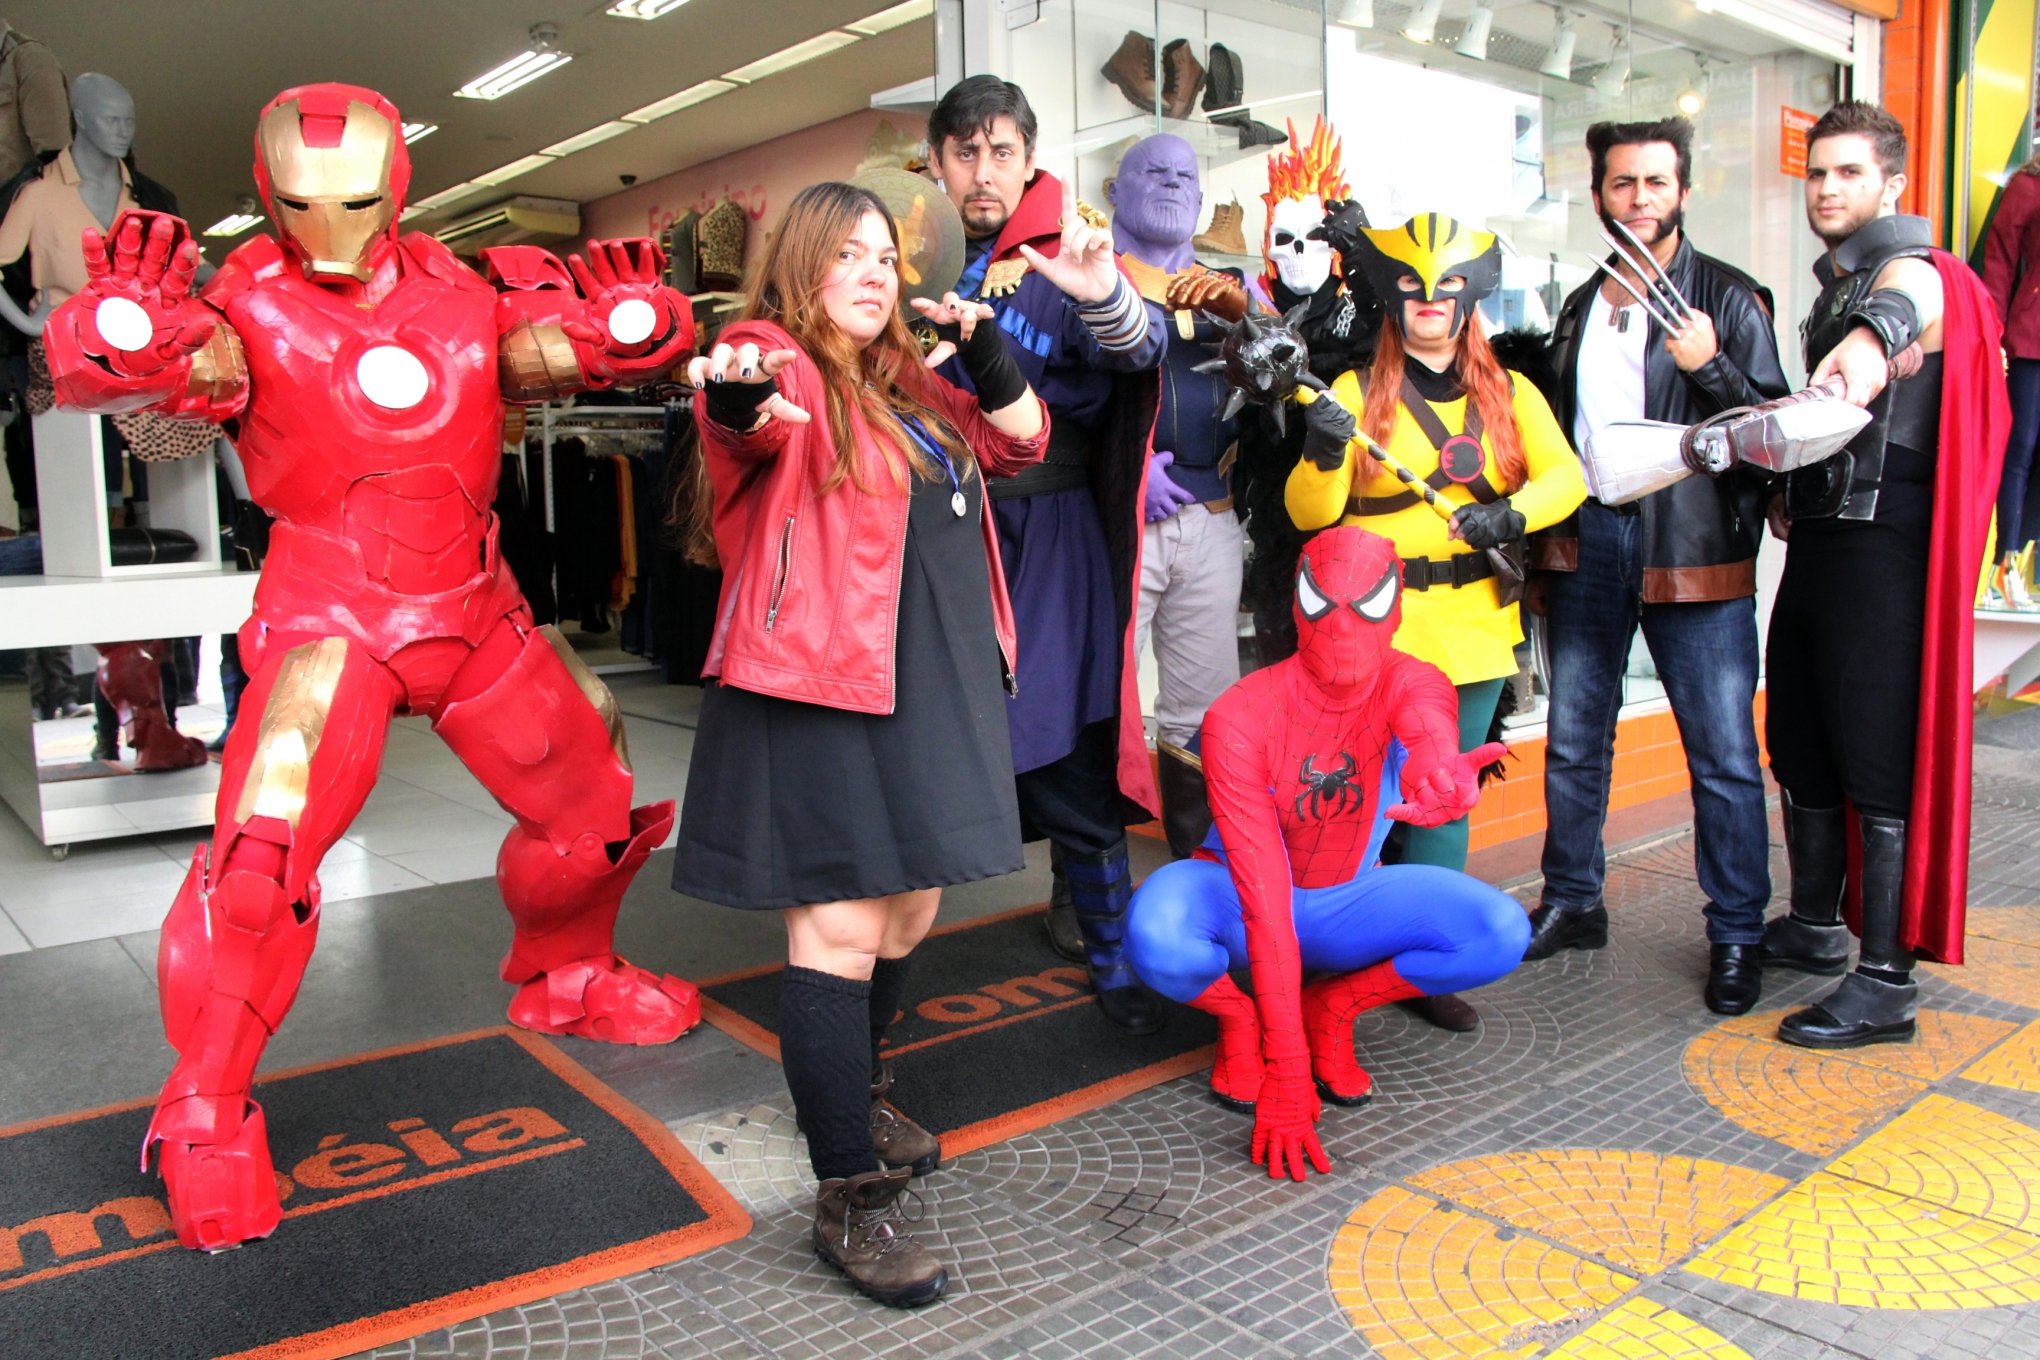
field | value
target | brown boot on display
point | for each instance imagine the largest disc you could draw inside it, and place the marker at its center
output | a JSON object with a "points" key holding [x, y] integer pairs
{"points": [[1224, 236], [859, 1230], [1182, 79], [899, 1140], [1132, 69]]}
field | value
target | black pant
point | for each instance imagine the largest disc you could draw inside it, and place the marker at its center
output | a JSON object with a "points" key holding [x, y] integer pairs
{"points": [[1075, 801], [1843, 664]]}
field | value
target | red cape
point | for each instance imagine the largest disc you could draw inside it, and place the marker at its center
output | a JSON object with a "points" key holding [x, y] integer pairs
{"points": [[1975, 422]]}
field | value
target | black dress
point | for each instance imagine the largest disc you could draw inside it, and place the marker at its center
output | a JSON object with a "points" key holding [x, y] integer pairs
{"points": [[790, 803]]}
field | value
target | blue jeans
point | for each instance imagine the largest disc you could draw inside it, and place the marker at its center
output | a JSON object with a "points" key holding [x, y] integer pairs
{"points": [[1706, 655], [2018, 501]]}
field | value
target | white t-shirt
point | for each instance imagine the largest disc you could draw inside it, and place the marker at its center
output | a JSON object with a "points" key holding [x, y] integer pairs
{"points": [[1609, 386]]}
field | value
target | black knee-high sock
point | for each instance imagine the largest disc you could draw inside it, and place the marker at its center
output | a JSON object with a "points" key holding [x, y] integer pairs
{"points": [[888, 990], [822, 1018]]}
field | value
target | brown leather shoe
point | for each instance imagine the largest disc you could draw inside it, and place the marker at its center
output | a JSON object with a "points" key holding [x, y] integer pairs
{"points": [[1224, 236], [1445, 1010], [1132, 69], [1182, 79], [859, 1230], [899, 1140]]}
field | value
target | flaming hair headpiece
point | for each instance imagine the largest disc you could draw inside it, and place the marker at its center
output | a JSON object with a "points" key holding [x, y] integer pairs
{"points": [[1313, 170]]}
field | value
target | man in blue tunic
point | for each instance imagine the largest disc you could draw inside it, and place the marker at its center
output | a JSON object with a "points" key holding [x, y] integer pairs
{"points": [[1069, 528]]}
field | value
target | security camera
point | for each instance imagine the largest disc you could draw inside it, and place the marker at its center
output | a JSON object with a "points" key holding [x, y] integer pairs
{"points": [[627, 180]]}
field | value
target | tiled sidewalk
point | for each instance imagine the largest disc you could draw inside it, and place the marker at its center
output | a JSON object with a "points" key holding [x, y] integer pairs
{"points": [[1603, 1170]]}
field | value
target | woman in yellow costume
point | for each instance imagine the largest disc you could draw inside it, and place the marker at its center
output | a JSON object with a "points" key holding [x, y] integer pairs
{"points": [[1442, 405]]}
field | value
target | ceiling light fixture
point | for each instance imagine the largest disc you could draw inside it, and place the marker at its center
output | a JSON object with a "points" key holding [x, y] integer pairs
{"points": [[238, 221], [523, 165], [673, 103], [446, 196], [418, 132], [1614, 73], [789, 57], [1423, 24], [1354, 14], [542, 56], [1692, 98], [642, 9], [895, 17], [1473, 38], [1558, 60], [594, 136]]}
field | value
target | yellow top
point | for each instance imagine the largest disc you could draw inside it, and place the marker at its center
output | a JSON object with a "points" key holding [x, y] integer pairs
{"points": [[1467, 633]]}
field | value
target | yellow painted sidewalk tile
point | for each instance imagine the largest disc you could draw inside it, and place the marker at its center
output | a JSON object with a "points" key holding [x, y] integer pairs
{"points": [[2014, 1064], [1951, 1153], [1638, 1329]]}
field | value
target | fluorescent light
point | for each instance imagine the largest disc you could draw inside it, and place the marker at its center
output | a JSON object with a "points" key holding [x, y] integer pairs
{"points": [[523, 165], [418, 132], [233, 224], [593, 136], [673, 103], [446, 196], [887, 19], [1423, 24], [520, 70], [1558, 61], [787, 58], [1473, 38], [1355, 14], [642, 9]]}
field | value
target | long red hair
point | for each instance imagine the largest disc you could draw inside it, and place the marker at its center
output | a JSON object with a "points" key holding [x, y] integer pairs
{"points": [[1487, 391]]}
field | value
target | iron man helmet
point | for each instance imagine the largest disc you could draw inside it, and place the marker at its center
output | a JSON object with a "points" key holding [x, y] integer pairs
{"points": [[331, 164]]}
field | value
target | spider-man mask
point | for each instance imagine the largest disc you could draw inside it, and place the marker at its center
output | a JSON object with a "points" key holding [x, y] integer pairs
{"points": [[1348, 606]]}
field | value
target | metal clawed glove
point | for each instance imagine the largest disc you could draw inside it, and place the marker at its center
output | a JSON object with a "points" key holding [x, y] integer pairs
{"points": [[1488, 526], [1285, 1123], [1327, 428]]}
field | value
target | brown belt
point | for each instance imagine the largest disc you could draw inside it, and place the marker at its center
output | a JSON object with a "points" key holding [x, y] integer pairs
{"points": [[1219, 506]]}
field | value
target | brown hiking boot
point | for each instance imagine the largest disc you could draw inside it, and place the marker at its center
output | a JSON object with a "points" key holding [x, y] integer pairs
{"points": [[1182, 79], [899, 1140], [1132, 69], [859, 1230], [1224, 236]]}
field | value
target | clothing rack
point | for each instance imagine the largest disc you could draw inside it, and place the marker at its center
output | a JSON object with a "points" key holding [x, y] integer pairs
{"points": [[555, 420]]}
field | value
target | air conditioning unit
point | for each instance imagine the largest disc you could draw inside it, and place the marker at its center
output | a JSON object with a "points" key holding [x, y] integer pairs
{"points": [[515, 221]]}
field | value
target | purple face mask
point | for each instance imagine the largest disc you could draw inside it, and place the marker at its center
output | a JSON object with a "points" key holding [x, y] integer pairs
{"points": [[1156, 198]]}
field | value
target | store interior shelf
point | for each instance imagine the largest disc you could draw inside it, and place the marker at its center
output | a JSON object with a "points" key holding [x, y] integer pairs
{"points": [[1218, 143]]}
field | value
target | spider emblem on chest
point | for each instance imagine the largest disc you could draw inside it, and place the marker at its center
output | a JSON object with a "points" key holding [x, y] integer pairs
{"points": [[1323, 789]]}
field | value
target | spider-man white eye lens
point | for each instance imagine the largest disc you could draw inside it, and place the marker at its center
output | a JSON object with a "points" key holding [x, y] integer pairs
{"points": [[1376, 603], [1309, 598]]}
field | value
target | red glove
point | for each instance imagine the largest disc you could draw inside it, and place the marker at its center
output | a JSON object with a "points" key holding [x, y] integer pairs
{"points": [[139, 315], [631, 316], [1285, 1123], [1446, 791]]}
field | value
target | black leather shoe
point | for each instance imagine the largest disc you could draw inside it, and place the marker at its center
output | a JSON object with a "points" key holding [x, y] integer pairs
{"points": [[1808, 946], [1863, 1010], [1735, 977], [1445, 1010], [1552, 930], [1134, 1009]]}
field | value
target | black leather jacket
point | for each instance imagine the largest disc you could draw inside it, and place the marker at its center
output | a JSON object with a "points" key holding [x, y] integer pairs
{"points": [[1700, 536]]}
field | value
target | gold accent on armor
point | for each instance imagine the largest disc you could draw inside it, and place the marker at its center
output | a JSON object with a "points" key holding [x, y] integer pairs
{"points": [[592, 689], [335, 238], [536, 363], [292, 722], [1002, 277], [219, 368]]}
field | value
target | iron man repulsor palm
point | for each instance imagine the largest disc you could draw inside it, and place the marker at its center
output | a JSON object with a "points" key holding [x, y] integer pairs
{"points": [[363, 376]]}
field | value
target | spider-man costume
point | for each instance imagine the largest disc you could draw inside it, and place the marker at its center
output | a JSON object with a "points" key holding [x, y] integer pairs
{"points": [[1302, 760], [363, 377]]}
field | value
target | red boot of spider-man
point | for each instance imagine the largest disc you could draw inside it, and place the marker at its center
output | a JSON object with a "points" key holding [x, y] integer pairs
{"points": [[1330, 1006], [1236, 1065]]}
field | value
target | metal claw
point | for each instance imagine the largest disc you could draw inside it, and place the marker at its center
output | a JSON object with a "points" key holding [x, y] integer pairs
{"points": [[1656, 271], [1652, 308]]}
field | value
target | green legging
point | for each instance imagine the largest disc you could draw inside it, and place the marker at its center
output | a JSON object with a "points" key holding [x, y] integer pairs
{"points": [[1445, 845]]}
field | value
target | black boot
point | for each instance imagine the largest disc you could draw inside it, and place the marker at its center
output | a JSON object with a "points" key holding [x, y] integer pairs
{"points": [[1186, 810], [1879, 1002], [1553, 928], [1811, 937], [1100, 887], [1061, 922]]}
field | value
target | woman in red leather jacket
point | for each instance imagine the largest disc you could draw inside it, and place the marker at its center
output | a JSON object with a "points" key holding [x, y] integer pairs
{"points": [[852, 758], [2011, 271]]}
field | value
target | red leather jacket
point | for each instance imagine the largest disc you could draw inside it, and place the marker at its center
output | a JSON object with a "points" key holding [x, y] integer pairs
{"points": [[811, 581], [2011, 264]]}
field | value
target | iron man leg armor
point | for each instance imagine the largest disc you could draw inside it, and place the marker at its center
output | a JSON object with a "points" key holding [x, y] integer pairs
{"points": [[237, 940], [545, 737], [131, 679]]}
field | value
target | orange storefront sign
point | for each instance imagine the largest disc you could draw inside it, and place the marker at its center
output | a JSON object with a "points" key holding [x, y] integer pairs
{"points": [[1793, 125]]}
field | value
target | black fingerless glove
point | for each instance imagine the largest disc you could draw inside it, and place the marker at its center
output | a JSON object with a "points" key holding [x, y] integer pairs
{"points": [[998, 380], [734, 405], [1327, 428], [1488, 526]]}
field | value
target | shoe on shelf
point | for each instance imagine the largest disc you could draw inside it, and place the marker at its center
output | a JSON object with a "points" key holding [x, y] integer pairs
{"points": [[1132, 69], [1224, 236], [1182, 79], [1225, 79], [1735, 977], [1552, 930]]}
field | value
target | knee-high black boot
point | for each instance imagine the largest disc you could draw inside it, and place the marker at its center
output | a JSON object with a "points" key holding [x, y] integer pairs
{"points": [[1186, 809], [1101, 885], [1811, 937], [1878, 1003], [1064, 936]]}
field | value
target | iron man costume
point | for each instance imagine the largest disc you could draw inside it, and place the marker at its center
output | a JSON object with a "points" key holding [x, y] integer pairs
{"points": [[1306, 761], [363, 378]]}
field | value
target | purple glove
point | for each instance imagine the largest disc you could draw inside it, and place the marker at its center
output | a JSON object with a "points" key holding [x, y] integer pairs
{"points": [[1164, 498]]}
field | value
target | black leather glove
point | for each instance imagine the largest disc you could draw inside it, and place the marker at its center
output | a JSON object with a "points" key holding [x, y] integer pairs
{"points": [[734, 405], [1341, 227], [1488, 526], [1327, 428]]}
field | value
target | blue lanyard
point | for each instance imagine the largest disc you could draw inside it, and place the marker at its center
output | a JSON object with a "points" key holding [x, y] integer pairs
{"points": [[941, 455]]}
